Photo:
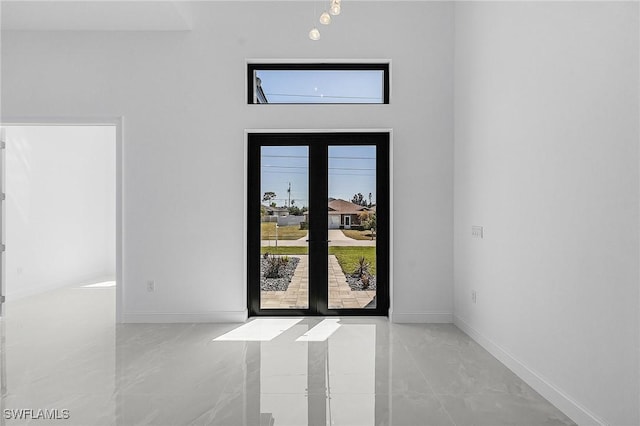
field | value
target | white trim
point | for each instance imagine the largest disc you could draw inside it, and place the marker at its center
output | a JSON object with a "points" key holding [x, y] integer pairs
{"points": [[185, 317], [290, 130], [118, 122], [421, 317], [3, 215], [61, 121], [250, 61], [565, 403], [391, 298], [246, 170], [638, 301], [120, 224], [245, 219]]}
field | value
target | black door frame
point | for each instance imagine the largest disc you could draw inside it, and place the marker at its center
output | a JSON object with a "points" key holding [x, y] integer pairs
{"points": [[318, 144]]}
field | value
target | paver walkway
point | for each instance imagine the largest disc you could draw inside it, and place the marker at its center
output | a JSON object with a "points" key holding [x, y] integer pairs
{"points": [[297, 294]]}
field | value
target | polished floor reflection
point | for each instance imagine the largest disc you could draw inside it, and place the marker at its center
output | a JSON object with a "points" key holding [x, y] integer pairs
{"points": [[62, 351]]}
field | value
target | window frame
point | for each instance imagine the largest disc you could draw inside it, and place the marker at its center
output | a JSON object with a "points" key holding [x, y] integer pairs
{"points": [[351, 66]]}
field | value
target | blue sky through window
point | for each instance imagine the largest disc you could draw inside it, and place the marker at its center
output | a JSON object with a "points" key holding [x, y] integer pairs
{"points": [[352, 169], [322, 86]]}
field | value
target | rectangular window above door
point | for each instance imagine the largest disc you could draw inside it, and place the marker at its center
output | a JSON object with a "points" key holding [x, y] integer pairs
{"points": [[318, 83]]}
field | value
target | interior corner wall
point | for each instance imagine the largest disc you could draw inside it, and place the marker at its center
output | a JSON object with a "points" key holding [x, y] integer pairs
{"points": [[546, 160], [60, 211], [182, 96]]}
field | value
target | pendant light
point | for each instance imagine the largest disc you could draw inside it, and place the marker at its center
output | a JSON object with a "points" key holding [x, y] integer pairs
{"points": [[325, 18], [314, 34], [334, 9]]}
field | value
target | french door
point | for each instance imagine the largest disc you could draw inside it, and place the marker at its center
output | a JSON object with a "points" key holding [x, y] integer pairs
{"points": [[318, 223]]}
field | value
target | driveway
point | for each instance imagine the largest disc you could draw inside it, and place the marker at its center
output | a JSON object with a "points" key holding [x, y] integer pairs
{"points": [[338, 235]]}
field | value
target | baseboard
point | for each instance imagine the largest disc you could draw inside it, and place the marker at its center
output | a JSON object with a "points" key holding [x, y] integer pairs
{"points": [[420, 317], [184, 317], [540, 384]]}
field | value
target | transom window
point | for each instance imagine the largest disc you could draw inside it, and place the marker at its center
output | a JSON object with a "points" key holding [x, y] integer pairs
{"points": [[318, 83]]}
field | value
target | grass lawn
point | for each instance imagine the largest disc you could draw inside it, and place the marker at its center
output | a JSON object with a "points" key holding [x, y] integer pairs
{"points": [[293, 232], [347, 256], [281, 250], [358, 235]]}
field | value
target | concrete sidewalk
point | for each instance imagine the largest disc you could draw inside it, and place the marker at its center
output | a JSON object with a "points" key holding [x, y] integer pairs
{"points": [[336, 238]]}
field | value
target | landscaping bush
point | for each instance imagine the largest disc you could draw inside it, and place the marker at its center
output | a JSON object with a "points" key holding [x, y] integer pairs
{"points": [[363, 272], [362, 268], [275, 266], [369, 220]]}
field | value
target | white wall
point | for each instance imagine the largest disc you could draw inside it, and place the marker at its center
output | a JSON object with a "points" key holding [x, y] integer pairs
{"points": [[546, 159], [183, 99], [60, 211]]}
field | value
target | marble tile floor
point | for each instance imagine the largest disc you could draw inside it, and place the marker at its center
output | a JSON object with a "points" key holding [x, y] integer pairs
{"points": [[62, 351]]}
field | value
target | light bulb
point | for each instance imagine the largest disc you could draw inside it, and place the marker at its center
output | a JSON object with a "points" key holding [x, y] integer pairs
{"points": [[334, 9], [314, 34], [325, 18]]}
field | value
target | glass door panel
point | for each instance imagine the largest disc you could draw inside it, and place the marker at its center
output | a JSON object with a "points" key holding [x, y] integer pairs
{"points": [[284, 183], [352, 226]]}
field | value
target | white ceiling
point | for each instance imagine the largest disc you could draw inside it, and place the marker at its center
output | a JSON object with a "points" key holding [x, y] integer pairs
{"points": [[114, 15], [95, 15]]}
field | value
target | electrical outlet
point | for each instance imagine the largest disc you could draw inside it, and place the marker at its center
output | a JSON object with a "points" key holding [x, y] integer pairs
{"points": [[476, 231], [19, 270], [473, 296], [151, 286]]}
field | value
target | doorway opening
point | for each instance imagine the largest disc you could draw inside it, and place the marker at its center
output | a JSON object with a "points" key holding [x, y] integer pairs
{"points": [[60, 211], [318, 223]]}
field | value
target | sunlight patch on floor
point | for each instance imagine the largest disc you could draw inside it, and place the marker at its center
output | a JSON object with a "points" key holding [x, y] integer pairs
{"points": [[259, 330], [321, 332], [105, 284]]}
